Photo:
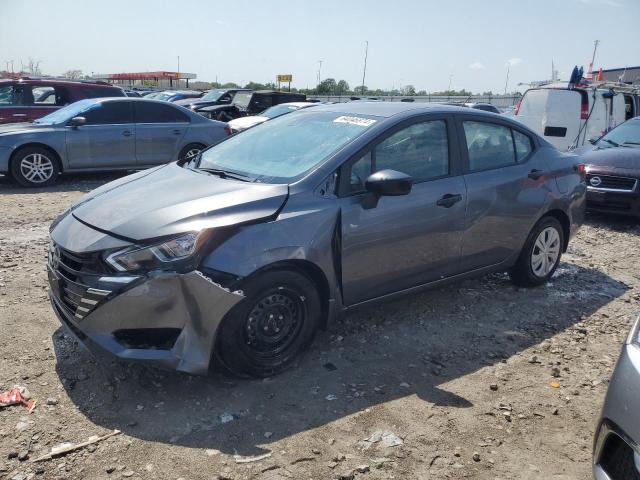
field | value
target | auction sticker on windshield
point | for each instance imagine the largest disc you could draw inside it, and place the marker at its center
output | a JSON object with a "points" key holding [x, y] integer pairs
{"points": [[363, 122]]}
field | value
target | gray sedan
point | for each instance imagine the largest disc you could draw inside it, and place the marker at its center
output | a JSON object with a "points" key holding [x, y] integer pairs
{"points": [[104, 134], [617, 443], [244, 253]]}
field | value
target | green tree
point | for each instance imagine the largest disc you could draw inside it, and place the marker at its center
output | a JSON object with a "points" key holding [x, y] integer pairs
{"points": [[230, 85], [361, 90], [327, 87], [342, 87], [408, 90], [74, 74]]}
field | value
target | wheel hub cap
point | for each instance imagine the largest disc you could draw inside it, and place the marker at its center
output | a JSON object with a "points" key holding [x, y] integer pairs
{"points": [[546, 252], [36, 168]]}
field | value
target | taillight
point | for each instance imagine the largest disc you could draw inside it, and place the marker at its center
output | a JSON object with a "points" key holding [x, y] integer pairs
{"points": [[228, 131], [584, 110], [515, 112]]}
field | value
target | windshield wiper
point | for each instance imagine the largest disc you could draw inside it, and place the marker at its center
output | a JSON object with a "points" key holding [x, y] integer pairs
{"points": [[226, 174], [624, 144], [611, 142]]}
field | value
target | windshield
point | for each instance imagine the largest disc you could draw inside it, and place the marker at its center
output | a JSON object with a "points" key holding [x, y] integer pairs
{"points": [[278, 110], [214, 95], [164, 96], [66, 113], [281, 150], [627, 134]]}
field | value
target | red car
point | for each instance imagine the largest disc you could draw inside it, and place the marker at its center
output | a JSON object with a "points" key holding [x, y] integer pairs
{"points": [[27, 99]]}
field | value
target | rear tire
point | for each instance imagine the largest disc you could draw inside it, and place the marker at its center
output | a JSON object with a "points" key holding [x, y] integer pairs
{"points": [[35, 167], [264, 333], [190, 151], [540, 255]]}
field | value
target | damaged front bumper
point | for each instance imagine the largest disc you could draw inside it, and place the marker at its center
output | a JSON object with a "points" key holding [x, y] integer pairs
{"points": [[165, 318]]}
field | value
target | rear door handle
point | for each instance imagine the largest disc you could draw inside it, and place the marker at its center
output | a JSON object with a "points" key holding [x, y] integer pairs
{"points": [[535, 174], [19, 114], [449, 200], [127, 133], [177, 132]]}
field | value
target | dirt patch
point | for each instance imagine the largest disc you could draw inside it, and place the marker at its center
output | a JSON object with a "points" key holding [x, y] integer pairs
{"points": [[452, 383]]}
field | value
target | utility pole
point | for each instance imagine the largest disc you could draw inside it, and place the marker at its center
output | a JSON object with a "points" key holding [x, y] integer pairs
{"points": [[595, 47], [506, 82], [364, 70], [450, 78], [319, 71]]}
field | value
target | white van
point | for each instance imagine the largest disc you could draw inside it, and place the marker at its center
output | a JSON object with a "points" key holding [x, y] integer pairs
{"points": [[569, 118]]}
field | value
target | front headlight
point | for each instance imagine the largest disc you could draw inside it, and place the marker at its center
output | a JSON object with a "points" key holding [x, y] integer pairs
{"points": [[159, 256]]}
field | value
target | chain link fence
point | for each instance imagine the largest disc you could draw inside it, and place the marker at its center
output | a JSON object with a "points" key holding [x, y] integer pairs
{"points": [[497, 100]]}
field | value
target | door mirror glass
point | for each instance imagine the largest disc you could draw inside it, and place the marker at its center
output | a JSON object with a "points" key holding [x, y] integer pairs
{"points": [[77, 121], [388, 183]]}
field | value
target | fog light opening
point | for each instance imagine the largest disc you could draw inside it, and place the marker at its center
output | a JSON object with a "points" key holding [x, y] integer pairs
{"points": [[147, 338]]}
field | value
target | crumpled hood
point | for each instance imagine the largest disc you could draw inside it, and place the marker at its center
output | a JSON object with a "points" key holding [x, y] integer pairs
{"points": [[172, 200], [614, 157]]}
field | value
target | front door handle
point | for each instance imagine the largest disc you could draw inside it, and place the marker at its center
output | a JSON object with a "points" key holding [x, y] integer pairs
{"points": [[19, 114], [449, 200], [535, 174], [127, 133], [177, 132]]}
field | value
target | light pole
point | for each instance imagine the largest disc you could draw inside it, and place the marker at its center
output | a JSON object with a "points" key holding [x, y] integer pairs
{"points": [[506, 82], [450, 78], [319, 71], [364, 70]]}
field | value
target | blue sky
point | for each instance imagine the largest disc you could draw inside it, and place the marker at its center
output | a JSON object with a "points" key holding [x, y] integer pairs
{"points": [[410, 42]]}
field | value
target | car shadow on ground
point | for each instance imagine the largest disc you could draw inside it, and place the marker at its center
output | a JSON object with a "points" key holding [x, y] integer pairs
{"points": [[83, 182], [412, 346], [618, 223]]}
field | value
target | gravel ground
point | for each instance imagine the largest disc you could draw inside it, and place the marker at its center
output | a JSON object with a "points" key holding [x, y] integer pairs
{"points": [[461, 377]]}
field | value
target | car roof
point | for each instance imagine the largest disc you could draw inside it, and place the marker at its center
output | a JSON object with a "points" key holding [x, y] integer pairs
{"points": [[57, 81], [389, 109]]}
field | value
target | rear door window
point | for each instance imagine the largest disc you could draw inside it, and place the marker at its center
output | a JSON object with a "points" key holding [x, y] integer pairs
{"points": [[522, 144], [109, 113], [152, 112], [489, 145]]}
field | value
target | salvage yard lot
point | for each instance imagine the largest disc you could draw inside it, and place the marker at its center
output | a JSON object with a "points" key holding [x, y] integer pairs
{"points": [[461, 374]]}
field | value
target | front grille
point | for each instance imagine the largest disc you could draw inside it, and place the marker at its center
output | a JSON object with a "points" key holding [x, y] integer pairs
{"points": [[67, 274], [617, 459], [612, 183]]}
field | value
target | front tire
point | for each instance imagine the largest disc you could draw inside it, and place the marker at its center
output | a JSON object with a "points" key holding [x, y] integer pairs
{"points": [[540, 255], [35, 167], [264, 333]]}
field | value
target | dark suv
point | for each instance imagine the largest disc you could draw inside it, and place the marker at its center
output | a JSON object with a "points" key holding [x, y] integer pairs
{"points": [[217, 96], [27, 99], [250, 103]]}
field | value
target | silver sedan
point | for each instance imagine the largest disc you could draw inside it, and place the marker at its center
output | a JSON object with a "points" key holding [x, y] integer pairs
{"points": [[104, 134]]}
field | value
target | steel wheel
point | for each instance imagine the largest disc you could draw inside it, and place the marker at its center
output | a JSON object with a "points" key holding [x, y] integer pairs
{"points": [[36, 168], [546, 252], [274, 322]]}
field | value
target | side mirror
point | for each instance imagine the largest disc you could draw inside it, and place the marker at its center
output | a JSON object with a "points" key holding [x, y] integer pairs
{"points": [[77, 121], [386, 183], [593, 140]]}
